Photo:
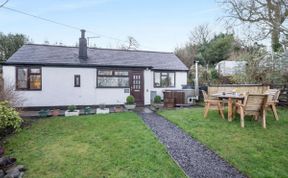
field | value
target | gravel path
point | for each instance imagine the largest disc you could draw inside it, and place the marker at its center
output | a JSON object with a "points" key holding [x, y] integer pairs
{"points": [[195, 159]]}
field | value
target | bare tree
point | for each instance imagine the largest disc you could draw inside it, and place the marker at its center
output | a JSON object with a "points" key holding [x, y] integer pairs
{"points": [[7, 93], [268, 15], [132, 44], [200, 34], [186, 54]]}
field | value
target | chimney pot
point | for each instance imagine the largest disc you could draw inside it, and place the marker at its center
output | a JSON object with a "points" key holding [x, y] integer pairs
{"points": [[83, 33]]}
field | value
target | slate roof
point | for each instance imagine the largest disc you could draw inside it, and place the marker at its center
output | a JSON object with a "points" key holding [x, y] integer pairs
{"points": [[34, 54]]}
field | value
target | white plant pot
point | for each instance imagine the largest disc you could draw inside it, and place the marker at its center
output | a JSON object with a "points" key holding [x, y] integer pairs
{"points": [[102, 111], [74, 113], [130, 106]]}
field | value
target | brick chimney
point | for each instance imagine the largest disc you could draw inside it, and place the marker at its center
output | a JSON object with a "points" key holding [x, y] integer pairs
{"points": [[83, 46]]}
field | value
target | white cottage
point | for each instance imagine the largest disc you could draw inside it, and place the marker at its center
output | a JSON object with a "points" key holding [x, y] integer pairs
{"points": [[55, 76]]}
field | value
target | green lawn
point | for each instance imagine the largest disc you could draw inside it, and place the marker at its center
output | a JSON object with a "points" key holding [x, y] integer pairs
{"points": [[255, 151], [114, 145]]}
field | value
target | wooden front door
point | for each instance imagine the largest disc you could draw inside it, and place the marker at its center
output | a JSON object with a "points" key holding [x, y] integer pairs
{"points": [[137, 87]]}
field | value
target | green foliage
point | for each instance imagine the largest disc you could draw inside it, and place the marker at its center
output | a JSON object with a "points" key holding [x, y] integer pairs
{"points": [[208, 51], [214, 74], [219, 48], [157, 99], [9, 117], [262, 68], [71, 108], [10, 43], [130, 99]]}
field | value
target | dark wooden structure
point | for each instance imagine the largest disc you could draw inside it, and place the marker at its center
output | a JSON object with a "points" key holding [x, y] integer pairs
{"points": [[173, 98]]}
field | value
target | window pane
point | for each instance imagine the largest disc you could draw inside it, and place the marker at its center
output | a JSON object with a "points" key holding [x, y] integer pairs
{"points": [[105, 72], [123, 82], [164, 81], [35, 71], [171, 79], [76, 80], [22, 78], [121, 73], [35, 82], [157, 79], [113, 81]]}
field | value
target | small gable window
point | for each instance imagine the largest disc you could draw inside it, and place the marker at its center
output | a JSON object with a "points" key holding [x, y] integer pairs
{"points": [[77, 81], [28, 78]]}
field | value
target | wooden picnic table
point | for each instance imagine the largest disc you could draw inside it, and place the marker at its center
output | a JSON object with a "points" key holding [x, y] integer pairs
{"points": [[230, 97]]}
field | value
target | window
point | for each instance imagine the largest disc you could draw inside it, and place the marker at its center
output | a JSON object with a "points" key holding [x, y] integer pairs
{"points": [[164, 79], [76, 80], [28, 78], [112, 79]]}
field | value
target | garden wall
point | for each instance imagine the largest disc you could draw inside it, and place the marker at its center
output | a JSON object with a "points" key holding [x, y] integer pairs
{"points": [[241, 88]]}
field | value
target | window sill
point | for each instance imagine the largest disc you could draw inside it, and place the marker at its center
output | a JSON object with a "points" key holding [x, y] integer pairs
{"points": [[112, 87], [28, 90], [164, 87]]}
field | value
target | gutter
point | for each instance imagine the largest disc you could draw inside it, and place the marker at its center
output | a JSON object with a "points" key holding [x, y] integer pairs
{"points": [[72, 65]]}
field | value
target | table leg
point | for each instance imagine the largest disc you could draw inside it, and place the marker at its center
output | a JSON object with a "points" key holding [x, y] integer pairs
{"points": [[230, 109]]}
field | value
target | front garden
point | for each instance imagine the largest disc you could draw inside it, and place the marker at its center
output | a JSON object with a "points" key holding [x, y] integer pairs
{"points": [[114, 145], [255, 151]]}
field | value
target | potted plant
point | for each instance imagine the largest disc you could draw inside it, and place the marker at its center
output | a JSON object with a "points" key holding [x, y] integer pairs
{"points": [[55, 112], [157, 103], [87, 110], [44, 113], [130, 102], [72, 111], [102, 109]]}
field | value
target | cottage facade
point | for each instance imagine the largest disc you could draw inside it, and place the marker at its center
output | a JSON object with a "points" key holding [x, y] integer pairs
{"points": [[51, 76]]}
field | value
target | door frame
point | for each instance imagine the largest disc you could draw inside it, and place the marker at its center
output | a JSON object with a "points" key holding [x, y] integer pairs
{"points": [[141, 72]]}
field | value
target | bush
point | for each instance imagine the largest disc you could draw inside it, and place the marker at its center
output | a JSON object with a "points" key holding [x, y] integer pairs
{"points": [[8, 94], [71, 108], [157, 99], [9, 117], [214, 74], [130, 99]]}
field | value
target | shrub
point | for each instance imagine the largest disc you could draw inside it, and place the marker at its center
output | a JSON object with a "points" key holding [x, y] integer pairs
{"points": [[130, 99], [71, 108], [8, 94], [9, 117], [157, 99], [214, 74]]}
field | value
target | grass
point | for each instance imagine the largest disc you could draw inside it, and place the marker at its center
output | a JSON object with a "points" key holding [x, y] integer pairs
{"points": [[114, 145], [255, 151]]}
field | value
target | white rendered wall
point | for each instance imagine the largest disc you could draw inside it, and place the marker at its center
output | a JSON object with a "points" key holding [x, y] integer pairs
{"points": [[58, 88], [180, 79]]}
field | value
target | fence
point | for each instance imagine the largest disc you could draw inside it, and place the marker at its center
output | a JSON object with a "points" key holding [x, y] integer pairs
{"points": [[241, 88]]}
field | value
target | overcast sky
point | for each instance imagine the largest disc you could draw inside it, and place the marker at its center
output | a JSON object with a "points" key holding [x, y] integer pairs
{"points": [[156, 24]]}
